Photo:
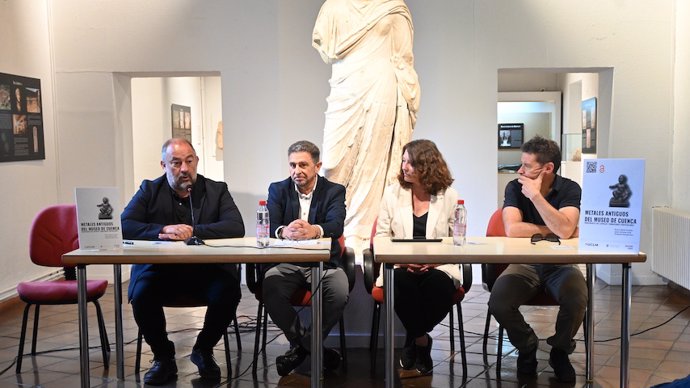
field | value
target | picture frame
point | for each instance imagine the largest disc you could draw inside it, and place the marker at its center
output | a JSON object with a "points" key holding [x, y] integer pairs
{"points": [[511, 135], [181, 121], [589, 126]]}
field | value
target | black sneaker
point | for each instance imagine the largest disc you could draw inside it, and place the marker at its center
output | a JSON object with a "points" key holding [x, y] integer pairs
{"points": [[161, 372], [408, 357], [208, 368], [424, 364], [527, 362], [290, 360], [561, 365], [331, 359]]}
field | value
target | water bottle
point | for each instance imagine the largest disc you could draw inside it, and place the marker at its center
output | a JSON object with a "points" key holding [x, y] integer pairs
{"points": [[263, 225], [460, 226]]}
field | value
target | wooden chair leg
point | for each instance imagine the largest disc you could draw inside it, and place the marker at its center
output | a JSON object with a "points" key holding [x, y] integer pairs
{"points": [[22, 338]]}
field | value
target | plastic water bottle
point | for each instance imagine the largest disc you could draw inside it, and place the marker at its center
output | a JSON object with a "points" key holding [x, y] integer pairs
{"points": [[460, 226], [263, 225]]}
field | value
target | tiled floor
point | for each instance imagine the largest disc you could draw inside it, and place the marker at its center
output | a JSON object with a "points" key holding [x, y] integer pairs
{"points": [[658, 355]]}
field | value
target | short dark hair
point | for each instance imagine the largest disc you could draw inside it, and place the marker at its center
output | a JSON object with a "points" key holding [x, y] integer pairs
{"points": [[305, 146], [429, 165], [546, 151], [164, 149]]}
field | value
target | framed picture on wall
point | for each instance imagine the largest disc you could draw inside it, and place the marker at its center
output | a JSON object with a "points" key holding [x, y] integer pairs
{"points": [[181, 119], [21, 120], [510, 135], [589, 126]]}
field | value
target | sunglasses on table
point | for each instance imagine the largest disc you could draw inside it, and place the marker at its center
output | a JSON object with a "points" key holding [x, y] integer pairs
{"points": [[540, 237]]}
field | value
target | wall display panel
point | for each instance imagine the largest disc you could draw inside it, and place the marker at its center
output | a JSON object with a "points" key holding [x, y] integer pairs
{"points": [[21, 119], [181, 118]]}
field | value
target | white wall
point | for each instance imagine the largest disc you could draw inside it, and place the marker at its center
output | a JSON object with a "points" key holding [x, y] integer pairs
{"points": [[33, 185], [274, 85], [681, 112]]}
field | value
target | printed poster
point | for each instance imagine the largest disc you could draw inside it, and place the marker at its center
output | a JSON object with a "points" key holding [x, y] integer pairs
{"points": [[98, 217], [21, 119], [611, 206]]}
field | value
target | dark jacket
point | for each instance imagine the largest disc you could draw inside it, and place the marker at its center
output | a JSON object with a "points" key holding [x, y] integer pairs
{"points": [[327, 210], [152, 208]]}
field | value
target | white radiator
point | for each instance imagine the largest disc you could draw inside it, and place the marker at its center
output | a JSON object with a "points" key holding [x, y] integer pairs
{"points": [[672, 245]]}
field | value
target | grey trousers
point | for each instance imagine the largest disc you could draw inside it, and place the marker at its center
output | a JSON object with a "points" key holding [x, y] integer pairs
{"points": [[281, 282], [520, 282]]}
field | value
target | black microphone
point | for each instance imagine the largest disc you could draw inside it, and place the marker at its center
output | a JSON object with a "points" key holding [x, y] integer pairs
{"points": [[194, 240]]}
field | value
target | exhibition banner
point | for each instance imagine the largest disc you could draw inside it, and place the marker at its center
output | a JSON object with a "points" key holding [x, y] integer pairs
{"points": [[98, 217], [611, 206], [21, 119]]}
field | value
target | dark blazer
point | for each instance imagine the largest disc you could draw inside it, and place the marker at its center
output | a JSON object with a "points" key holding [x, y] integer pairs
{"points": [[327, 210], [152, 208]]}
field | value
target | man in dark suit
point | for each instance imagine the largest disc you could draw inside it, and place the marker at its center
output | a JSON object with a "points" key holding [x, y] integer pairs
{"points": [[162, 210], [301, 207]]}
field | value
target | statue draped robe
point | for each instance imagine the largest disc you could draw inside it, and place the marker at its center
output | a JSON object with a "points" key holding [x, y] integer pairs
{"points": [[373, 100]]}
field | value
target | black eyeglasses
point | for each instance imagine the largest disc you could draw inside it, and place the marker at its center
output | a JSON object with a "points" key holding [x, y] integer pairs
{"points": [[540, 237]]}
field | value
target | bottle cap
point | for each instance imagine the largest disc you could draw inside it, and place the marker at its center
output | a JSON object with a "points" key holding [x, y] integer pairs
{"points": [[262, 202], [461, 201]]}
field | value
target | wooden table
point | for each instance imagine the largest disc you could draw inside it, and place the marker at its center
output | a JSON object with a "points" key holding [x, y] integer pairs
{"points": [[236, 250], [503, 250]]}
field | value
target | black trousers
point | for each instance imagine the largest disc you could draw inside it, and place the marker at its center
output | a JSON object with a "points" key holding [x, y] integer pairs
{"points": [[520, 282], [207, 283], [422, 300]]}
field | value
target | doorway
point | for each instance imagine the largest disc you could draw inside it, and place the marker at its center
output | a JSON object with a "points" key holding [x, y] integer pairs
{"points": [[164, 107]]}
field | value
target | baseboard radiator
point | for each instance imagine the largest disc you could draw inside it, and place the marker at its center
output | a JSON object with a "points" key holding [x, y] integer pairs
{"points": [[672, 245]]}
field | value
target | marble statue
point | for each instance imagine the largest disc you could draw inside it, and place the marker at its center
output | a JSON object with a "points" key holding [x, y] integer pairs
{"points": [[373, 100]]}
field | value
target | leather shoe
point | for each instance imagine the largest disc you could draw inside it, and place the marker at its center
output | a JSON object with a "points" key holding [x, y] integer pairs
{"points": [[561, 365], [527, 362], [408, 355], [290, 360], [424, 363], [161, 372], [208, 368], [331, 359]]}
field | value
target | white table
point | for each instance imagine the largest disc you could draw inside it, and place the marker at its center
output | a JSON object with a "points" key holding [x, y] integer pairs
{"points": [[236, 250], [504, 250]]}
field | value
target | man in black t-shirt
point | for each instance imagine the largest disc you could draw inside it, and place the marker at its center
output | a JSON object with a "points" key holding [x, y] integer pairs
{"points": [[541, 202]]}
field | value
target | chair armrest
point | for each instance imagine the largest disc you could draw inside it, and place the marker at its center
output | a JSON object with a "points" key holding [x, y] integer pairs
{"points": [[466, 277], [348, 261], [369, 272]]}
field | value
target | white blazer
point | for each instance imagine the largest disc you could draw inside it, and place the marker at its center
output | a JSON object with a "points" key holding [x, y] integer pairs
{"points": [[395, 220]]}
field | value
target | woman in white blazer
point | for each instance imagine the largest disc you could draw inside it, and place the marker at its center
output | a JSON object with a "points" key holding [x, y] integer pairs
{"points": [[420, 205]]}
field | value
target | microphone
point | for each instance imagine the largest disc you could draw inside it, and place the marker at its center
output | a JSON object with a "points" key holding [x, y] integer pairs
{"points": [[194, 240]]}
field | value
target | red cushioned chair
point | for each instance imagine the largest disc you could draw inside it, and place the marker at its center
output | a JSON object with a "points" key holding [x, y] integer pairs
{"points": [[491, 272], [53, 233], [301, 298], [371, 273]]}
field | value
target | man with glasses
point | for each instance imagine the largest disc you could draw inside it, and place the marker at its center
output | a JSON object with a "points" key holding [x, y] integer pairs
{"points": [[544, 206]]}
